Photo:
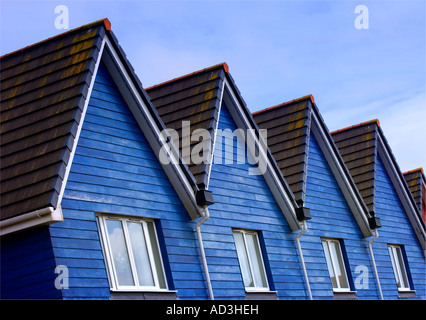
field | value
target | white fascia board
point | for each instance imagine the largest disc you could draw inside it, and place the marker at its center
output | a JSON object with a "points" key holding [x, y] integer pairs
{"points": [[271, 178], [341, 178], [402, 192], [32, 219], [151, 131]]}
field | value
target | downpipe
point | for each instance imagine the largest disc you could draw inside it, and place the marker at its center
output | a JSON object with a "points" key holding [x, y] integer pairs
{"points": [[203, 254], [376, 274], [302, 260]]}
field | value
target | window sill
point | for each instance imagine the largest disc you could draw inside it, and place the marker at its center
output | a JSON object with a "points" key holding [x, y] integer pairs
{"points": [[345, 295], [405, 294], [144, 295], [261, 295]]}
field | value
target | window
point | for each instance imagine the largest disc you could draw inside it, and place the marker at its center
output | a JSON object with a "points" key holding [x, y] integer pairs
{"points": [[398, 266], [132, 254], [250, 259], [335, 264]]}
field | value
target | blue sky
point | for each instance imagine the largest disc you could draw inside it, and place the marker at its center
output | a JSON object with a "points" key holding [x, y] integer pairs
{"points": [[276, 51]]}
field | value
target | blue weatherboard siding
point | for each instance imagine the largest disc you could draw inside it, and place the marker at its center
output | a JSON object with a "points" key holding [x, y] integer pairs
{"points": [[331, 217], [28, 266], [243, 201], [396, 229], [115, 171]]}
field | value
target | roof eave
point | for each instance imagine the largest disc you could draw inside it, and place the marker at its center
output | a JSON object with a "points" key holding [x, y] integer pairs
{"points": [[37, 218]]}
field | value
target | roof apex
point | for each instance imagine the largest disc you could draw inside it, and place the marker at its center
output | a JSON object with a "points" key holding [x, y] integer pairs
{"points": [[105, 22], [309, 96], [222, 65], [414, 170], [374, 121]]}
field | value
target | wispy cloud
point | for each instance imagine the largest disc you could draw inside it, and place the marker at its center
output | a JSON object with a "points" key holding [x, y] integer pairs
{"points": [[276, 51], [402, 118]]}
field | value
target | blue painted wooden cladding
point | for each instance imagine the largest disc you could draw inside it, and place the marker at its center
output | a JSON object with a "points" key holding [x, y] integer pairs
{"points": [[332, 218], [245, 201], [115, 171], [396, 229], [28, 266]]}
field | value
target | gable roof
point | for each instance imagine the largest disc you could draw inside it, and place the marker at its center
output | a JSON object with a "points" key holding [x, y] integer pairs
{"points": [[359, 146], [45, 89], [197, 98], [416, 181], [289, 127]]}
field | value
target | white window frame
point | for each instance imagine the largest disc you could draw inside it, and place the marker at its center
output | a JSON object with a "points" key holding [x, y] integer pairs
{"points": [[106, 246], [399, 271], [261, 262], [335, 264]]}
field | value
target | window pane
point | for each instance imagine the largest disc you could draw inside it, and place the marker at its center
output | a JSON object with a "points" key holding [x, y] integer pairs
{"points": [[339, 264], [140, 254], [398, 267], [394, 267], [243, 259], [329, 264], [256, 261], [157, 258], [404, 280], [119, 253]]}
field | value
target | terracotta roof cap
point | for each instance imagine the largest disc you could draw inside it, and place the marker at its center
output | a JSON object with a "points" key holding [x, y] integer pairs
{"points": [[309, 96], [414, 170], [217, 66], [105, 21], [374, 121]]}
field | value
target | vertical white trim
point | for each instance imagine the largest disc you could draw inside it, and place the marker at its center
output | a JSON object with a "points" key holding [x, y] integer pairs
{"points": [[302, 260], [206, 216], [80, 125], [215, 136], [376, 274]]}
